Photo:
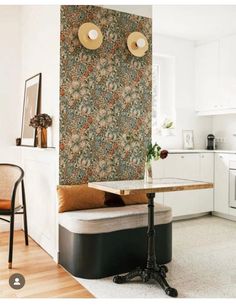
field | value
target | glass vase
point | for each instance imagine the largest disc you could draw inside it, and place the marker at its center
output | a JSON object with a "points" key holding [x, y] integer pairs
{"points": [[42, 137], [148, 172]]}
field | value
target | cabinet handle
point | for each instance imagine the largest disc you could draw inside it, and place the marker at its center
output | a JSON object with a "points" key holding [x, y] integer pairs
{"points": [[234, 187]]}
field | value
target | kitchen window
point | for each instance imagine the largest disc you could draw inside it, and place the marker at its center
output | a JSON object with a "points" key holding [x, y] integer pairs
{"points": [[163, 95]]}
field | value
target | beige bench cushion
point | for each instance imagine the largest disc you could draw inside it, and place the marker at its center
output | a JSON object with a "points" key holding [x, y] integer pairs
{"points": [[104, 220]]}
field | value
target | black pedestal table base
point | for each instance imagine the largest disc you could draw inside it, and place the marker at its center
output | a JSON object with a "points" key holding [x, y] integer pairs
{"points": [[152, 270]]}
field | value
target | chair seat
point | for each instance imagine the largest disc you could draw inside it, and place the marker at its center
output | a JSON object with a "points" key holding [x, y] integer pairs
{"points": [[5, 204]]}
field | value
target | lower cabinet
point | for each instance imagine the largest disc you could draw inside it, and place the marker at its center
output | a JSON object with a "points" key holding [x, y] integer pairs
{"points": [[194, 166], [189, 202], [221, 187]]}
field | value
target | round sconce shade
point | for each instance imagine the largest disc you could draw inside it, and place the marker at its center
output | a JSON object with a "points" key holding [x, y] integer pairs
{"points": [[93, 34], [137, 44], [90, 36]]}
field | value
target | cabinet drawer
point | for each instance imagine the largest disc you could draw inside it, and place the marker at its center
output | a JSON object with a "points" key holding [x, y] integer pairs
{"points": [[183, 166]]}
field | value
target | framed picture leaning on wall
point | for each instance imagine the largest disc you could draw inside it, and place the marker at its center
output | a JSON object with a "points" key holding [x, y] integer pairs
{"points": [[188, 139], [31, 108]]}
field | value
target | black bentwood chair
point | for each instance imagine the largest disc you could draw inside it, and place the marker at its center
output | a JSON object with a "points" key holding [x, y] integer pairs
{"points": [[11, 177]]}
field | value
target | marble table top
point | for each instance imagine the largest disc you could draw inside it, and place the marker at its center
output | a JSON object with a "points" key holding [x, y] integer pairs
{"points": [[126, 187]]}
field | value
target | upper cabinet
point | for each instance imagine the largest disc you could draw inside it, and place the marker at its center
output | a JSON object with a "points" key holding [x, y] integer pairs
{"points": [[227, 75], [216, 77], [207, 81]]}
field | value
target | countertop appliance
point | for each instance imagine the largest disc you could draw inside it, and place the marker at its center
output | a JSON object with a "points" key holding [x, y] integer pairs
{"points": [[232, 184], [211, 142]]}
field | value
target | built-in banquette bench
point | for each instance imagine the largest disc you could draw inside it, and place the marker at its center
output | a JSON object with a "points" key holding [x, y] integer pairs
{"points": [[102, 234]]}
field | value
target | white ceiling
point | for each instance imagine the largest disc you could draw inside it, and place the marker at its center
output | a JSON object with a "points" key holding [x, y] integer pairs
{"points": [[195, 22], [141, 10]]}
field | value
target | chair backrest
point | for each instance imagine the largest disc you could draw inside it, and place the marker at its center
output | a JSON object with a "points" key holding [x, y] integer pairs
{"points": [[10, 175]]}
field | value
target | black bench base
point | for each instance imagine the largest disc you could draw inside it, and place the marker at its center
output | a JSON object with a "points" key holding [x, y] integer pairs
{"points": [[94, 256]]}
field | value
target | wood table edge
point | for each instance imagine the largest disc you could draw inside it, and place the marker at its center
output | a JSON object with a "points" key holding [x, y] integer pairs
{"points": [[109, 189], [199, 186]]}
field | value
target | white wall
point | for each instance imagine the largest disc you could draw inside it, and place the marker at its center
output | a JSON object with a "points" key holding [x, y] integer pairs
{"points": [[224, 128], [141, 10], [10, 102], [184, 54], [40, 44], [40, 52], [30, 37]]}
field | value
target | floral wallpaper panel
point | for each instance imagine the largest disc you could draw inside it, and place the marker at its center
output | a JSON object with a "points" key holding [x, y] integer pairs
{"points": [[105, 98]]}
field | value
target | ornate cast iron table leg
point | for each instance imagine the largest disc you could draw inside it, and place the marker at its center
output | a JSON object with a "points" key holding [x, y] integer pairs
{"points": [[152, 270]]}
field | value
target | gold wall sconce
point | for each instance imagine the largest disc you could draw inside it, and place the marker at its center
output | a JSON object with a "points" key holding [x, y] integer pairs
{"points": [[137, 44], [90, 36]]}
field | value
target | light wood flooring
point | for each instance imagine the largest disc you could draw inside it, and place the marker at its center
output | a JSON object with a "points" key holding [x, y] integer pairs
{"points": [[44, 278]]}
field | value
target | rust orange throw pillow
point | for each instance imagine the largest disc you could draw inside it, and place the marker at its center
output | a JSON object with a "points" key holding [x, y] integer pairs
{"points": [[79, 197], [138, 198]]}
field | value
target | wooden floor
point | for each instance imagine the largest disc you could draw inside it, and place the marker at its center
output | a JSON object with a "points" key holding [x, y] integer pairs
{"points": [[44, 278]]}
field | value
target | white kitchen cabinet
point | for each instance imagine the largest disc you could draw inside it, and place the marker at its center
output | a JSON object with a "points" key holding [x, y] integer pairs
{"points": [[193, 166], [227, 72], [207, 77], [158, 172], [183, 166], [221, 187], [206, 167], [216, 77], [206, 197]]}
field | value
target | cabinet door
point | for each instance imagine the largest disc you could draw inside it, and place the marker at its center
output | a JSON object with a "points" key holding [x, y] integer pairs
{"points": [[158, 172], [228, 72], [207, 76], [206, 197], [206, 167], [221, 190], [184, 166]]}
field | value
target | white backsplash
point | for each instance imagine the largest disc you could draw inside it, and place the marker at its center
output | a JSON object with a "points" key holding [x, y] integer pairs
{"points": [[222, 126], [187, 120], [183, 52], [224, 129]]}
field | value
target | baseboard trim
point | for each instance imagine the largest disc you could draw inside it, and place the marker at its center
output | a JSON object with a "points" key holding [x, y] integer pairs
{"points": [[191, 216], [226, 216]]}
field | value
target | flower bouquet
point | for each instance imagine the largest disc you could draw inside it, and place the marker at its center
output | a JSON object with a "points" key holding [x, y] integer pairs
{"points": [[41, 122], [154, 152]]}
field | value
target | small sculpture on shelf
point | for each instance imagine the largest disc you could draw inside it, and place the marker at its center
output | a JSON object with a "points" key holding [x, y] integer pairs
{"points": [[41, 122], [18, 141]]}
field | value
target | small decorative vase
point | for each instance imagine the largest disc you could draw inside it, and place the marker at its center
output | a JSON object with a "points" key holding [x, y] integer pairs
{"points": [[167, 132], [18, 141], [42, 137], [148, 172]]}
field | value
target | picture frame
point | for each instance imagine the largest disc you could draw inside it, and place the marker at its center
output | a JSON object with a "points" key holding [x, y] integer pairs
{"points": [[188, 139], [31, 107]]}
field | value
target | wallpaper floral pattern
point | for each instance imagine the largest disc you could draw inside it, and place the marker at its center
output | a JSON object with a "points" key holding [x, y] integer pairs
{"points": [[105, 98]]}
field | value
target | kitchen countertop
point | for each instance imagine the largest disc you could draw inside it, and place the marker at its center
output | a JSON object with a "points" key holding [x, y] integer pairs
{"points": [[192, 151]]}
